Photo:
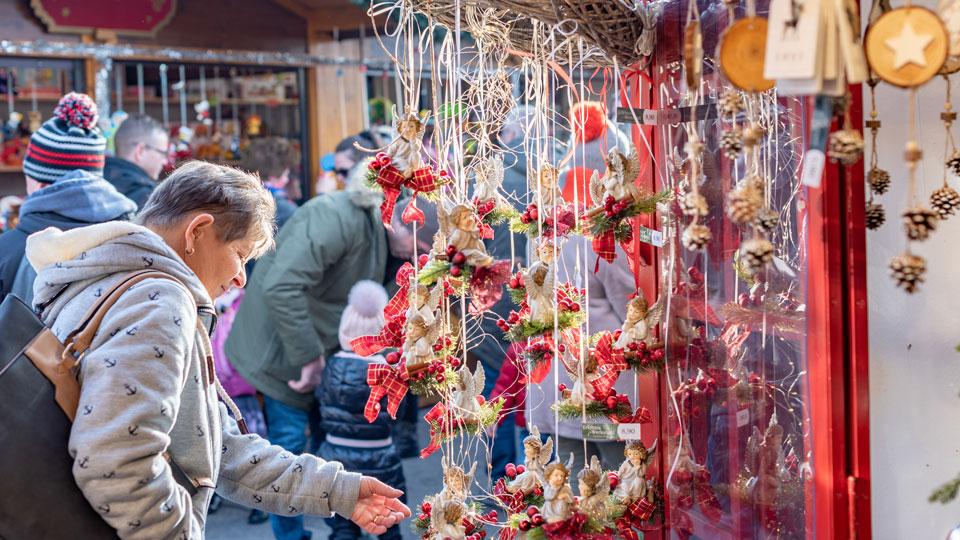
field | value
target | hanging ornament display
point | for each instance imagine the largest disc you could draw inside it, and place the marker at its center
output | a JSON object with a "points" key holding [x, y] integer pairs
{"points": [[908, 270], [731, 142], [945, 200], [745, 201], [845, 146], [919, 222], [741, 54], [878, 180]]}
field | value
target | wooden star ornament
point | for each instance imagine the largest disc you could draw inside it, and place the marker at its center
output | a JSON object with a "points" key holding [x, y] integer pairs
{"points": [[906, 46]]}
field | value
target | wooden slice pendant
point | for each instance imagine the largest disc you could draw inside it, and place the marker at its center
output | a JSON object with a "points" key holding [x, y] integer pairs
{"points": [[906, 46], [693, 55], [949, 13], [742, 50]]}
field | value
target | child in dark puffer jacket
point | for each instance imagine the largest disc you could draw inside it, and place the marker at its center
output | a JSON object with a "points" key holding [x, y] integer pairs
{"points": [[359, 445]]}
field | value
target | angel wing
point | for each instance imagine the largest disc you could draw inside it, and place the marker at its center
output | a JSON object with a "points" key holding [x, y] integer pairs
{"points": [[479, 378], [631, 168], [651, 453], [396, 118], [655, 313], [433, 332], [596, 188], [603, 487], [434, 301], [546, 451], [465, 380], [443, 219]]}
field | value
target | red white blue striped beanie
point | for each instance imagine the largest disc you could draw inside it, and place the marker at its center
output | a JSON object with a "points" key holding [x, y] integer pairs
{"points": [[69, 141]]}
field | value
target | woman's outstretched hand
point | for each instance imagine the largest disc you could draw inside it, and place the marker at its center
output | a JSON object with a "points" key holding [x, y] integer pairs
{"points": [[378, 507]]}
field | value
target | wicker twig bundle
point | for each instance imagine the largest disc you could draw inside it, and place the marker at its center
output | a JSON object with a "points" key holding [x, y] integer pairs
{"points": [[609, 25]]}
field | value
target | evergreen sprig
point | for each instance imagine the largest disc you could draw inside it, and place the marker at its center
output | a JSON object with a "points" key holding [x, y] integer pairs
{"points": [[600, 223], [524, 330], [946, 492], [594, 409]]}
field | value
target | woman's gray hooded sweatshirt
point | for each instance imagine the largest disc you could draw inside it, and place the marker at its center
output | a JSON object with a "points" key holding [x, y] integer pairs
{"points": [[147, 388]]}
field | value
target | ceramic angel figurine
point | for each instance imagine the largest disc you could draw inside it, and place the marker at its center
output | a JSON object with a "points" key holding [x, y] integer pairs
{"points": [[449, 518], [422, 301], [557, 496], [618, 180], [489, 176], [406, 150], [640, 320], [764, 460], [581, 387], [633, 472], [460, 228], [548, 189], [419, 340], [539, 280], [465, 398], [594, 487], [456, 484], [536, 455]]}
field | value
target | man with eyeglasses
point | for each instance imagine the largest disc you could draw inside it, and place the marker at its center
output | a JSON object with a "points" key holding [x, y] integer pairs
{"points": [[141, 144]]}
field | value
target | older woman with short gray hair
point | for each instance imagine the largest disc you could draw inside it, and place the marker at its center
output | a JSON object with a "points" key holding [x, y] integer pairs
{"points": [[149, 394]]}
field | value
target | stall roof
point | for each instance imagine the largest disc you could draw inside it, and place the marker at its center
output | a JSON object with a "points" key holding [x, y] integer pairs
{"points": [[327, 18]]}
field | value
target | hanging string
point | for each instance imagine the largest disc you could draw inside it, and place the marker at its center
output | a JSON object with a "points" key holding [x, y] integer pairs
{"points": [[165, 104]]}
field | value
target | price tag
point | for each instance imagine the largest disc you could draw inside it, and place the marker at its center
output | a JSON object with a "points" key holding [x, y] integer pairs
{"points": [[629, 432], [743, 417], [813, 162], [650, 236], [600, 431]]}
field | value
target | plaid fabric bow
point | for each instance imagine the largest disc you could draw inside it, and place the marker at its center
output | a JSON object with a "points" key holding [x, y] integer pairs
{"points": [[436, 417], [391, 335], [639, 511], [387, 381], [571, 529], [706, 496], [392, 180], [642, 416], [514, 501], [602, 384], [605, 246], [608, 355], [399, 303]]}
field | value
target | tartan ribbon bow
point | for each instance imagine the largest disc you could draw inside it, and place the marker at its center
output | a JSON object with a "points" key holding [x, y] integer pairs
{"points": [[514, 500], [608, 355], [639, 511], [605, 246], [706, 496], [436, 417], [387, 381], [391, 335], [392, 181], [399, 303], [572, 529]]}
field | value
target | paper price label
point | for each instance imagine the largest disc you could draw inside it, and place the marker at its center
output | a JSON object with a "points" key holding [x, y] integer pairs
{"points": [[813, 162], [743, 417], [650, 236], [629, 432], [600, 431]]}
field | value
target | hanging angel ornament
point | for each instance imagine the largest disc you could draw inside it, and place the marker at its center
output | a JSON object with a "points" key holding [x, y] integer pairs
{"points": [[558, 499], [489, 177], [539, 280], [548, 189], [458, 226], [449, 521], [640, 320], [419, 339], [536, 455], [632, 475], [618, 180], [406, 151], [456, 484], [594, 488], [465, 401], [422, 301]]}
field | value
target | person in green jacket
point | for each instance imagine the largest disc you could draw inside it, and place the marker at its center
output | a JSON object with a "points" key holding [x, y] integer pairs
{"points": [[287, 323]]}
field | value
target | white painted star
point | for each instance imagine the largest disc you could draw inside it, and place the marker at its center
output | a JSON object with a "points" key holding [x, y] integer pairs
{"points": [[909, 47]]}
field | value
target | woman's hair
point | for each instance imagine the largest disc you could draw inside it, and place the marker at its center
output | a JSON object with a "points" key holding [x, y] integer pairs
{"points": [[270, 156], [241, 206]]}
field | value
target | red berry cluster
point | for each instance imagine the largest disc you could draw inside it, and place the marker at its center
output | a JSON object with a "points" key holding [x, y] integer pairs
{"points": [[542, 351], [516, 282], [645, 356], [393, 358], [485, 207], [535, 519], [77, 110], [512, 470], [380, 160], [614, 480], [530, 214], [613, 208], [457, 259]]}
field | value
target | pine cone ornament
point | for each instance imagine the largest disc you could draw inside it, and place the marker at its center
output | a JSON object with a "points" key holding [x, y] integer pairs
{"points": [[731, 142], [767, 220], [919, 222], [744, 202], [731, 104], [879, 180], [875, 216], [840, 104], [694, 204], [845, 146], [945, 201], [696, 237], [756, 253], [908, 269], [954, 163]]}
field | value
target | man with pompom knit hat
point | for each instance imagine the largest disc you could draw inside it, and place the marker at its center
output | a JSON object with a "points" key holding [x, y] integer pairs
{"points": [[63, 168]]}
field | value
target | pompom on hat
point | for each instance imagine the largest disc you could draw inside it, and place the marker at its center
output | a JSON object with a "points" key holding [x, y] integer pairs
{"points": [[363, 315], [67, 142], [589, 119]]}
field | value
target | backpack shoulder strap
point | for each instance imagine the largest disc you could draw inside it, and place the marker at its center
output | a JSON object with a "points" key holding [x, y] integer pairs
{"points": [[79, 340]]}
